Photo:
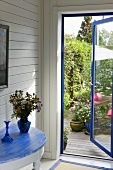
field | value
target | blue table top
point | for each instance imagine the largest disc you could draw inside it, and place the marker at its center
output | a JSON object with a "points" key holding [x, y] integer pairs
{"points": [[23, 144]]}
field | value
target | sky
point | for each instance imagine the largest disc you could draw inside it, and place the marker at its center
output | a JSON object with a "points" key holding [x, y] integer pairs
{"points": [[72, 24]]}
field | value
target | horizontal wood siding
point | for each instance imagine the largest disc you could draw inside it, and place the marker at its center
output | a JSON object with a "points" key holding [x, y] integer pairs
{"points": [[22, 17]]}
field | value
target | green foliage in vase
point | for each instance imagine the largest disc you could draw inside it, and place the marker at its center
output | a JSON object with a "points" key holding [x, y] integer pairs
{"points": [[24, 105]]}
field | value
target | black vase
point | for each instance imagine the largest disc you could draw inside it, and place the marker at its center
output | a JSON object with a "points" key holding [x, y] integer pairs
{"points": [[24, 125], [65, 142]]}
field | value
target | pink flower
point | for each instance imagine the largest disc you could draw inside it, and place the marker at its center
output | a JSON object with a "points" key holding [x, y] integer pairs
{"points": [[96, 97], [109, 112]]}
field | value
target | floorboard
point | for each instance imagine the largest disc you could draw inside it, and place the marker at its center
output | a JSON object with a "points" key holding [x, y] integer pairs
{"points": [[79, 144]]}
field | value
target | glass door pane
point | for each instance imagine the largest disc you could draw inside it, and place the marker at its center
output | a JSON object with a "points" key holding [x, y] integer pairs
{"points": [[102, 84]]}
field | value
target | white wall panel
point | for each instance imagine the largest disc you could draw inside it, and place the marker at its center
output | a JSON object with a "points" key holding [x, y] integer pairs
{"points": [[22, 45], [22, 17], [17, 86], [2, 117], [34, 2], [18, 20], [23, 37], [9, 8], [24, 5], [25, 85], [22, 62], [25, 77], [2, 100], [23, 69], [20, 28], [23, 53]]}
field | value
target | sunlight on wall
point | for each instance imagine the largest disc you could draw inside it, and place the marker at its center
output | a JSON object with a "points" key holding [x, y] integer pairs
{"points": [[32, 90], [33, 73]]}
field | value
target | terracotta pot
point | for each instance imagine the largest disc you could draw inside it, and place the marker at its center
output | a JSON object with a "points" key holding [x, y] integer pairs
{"points": [[76, 126]]}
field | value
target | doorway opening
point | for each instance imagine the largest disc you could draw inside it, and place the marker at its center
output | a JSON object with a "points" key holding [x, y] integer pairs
{"points": [[76, 66]]}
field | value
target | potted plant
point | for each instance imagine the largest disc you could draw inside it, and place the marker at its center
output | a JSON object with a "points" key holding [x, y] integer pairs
{"points": [[76, 123], [22, 108], [66, 132], [81, 113]]}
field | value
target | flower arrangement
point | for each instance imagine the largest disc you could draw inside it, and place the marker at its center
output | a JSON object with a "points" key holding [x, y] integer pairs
{"points": [[24, 105]]}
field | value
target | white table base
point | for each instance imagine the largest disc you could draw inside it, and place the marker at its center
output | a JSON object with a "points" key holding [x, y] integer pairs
{"points": [[33, 158]]}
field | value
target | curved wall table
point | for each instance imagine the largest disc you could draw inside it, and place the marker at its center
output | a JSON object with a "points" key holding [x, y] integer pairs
{"points": [[25, 149]]}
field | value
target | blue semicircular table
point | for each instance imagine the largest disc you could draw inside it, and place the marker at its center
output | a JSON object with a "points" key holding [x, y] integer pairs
{"points": [[25, 149]]}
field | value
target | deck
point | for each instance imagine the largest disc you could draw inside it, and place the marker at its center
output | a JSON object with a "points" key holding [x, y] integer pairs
{"points": [[79, 144]]}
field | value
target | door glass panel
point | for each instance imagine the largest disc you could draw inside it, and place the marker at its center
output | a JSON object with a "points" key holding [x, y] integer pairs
{"points": [[103, 84]]}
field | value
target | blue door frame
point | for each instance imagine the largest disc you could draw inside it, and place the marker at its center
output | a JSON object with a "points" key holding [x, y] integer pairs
{"points": [[62, 71], [110, 153]]}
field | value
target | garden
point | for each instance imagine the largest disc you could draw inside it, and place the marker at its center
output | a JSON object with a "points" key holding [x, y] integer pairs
{"points": [[77, 80]]}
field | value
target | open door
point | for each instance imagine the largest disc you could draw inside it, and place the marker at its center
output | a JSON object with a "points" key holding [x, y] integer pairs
{"points": [[101, 133]]}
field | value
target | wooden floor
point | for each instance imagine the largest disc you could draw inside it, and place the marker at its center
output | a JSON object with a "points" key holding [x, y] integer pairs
{"points": [[79, 144]]}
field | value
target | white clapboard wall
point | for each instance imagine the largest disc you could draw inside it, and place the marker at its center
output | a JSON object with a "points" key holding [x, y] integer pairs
{"points": [[22, 17]]}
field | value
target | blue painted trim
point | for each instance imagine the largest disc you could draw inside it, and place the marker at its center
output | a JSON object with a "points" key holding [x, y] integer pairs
{"points": [[102, 21], [62, 87], [55, 165], [110, 153], [62, 71], [101, 147], [112, 117], [88, 14], [92, 81], [76, 163]]}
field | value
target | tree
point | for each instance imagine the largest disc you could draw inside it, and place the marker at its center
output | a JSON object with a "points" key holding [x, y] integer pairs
{"points": [[104, 76], [85, 32], [103, 37], [76, 66], [110, 41]]}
